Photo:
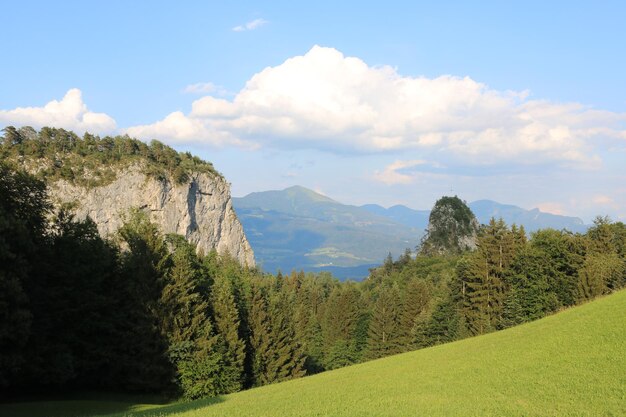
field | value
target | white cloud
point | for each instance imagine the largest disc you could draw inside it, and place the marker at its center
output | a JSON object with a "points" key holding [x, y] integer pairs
{"points": [[69, 113], [200, 88], [395, 173], [254, 24], [205, 88], [325, 100]]}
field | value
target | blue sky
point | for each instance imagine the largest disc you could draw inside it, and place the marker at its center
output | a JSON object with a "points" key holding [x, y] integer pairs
{"points": [[386, 102]]}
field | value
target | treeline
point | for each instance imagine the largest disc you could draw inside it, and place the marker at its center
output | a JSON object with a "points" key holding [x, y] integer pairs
{"points": [[93, 161], [141, 313], [145, 312], [508, 280]]}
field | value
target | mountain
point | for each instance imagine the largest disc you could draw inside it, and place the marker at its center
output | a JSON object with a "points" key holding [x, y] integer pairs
{"points": [[104, 178], [452, 228], [532, 220], [484, 210], [297, 228], [417, 219]]}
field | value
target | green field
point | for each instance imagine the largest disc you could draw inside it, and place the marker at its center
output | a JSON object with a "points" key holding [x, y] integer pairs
{"points": [[569, 364]]}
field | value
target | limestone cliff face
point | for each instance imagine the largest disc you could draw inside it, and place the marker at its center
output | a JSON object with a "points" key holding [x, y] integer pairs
{"points": [[199, 209], [452, 228]]}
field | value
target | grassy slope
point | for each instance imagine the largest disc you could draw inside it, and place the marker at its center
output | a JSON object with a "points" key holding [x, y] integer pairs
{"points": [[80, 405], [572, 363]]}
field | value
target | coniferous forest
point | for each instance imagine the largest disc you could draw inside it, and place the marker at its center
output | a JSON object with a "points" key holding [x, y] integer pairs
{"points": [[145, 312]]}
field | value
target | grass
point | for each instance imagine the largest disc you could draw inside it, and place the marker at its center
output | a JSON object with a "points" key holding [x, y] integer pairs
{"points": [[81, 404], [569, 364]]}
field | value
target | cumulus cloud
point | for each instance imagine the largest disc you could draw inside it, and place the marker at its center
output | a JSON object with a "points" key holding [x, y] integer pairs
{"points": [[254, 24], [325, 100], [70, 113]]}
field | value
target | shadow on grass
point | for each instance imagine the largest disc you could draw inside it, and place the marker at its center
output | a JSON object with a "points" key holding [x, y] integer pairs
{"points": [[166, 410], [100, 405]]}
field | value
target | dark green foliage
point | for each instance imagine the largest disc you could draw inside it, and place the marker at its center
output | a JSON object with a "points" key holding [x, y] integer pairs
{"points": [[23, 208], [91, 161], [482, 274], [145, 267], [342, 315], [445, 324], [565, 254], [384, 326], [600, 274], [227, 325], [415, 307], [277, 353]]}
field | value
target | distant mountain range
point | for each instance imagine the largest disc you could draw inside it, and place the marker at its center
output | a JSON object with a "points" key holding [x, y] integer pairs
{"points": [[297, 228], [484, 210]]}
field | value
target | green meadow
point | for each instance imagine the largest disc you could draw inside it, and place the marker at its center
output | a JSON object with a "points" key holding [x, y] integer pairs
{"points": [[569, 364]]}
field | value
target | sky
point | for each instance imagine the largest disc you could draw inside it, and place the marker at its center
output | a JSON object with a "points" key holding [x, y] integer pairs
{"points": [[367, 102]]}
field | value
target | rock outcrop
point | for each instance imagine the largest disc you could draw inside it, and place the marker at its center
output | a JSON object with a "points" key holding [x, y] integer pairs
{"points": [[452, 228], [199, 209]]}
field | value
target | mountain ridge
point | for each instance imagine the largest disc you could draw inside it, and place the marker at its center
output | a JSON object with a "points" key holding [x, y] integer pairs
{"points": [[298, 228]]}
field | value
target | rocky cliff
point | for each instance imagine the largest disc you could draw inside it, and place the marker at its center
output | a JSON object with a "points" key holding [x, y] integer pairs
{"points": [[105, 177], [199, 208], [452, 228]]}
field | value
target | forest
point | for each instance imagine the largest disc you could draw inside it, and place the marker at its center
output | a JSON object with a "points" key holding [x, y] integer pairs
{"points": [[144, 312]]}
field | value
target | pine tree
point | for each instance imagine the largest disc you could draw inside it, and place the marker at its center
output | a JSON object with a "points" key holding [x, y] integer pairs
{"points": [[306, 322], [600, 274], [342, 314], [445, 325], [259, 333], [384, 327], [482, 274], [286, 356], [416, 302], [277, 354], [227, 324], [24, 206], [145, 265]]}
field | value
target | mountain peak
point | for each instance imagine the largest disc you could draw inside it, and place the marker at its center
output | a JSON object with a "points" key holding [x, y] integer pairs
{"points": [[303, 192]]}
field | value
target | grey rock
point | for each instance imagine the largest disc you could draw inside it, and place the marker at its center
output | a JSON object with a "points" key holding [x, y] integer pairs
{"points": [[199, 209]]}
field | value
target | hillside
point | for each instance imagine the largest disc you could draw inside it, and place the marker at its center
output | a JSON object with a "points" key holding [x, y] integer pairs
{"points": [[299, 228], [568, 364]]}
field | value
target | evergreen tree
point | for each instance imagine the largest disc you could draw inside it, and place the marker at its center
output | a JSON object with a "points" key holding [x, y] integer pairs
{"points": [[600, 274], [565, 254], [445, 324], [144, 267], [342, 314], [23, 209], [384, 327], [259, 333], [417, 296], [482, 274], [227, 324], [278, 355]]}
